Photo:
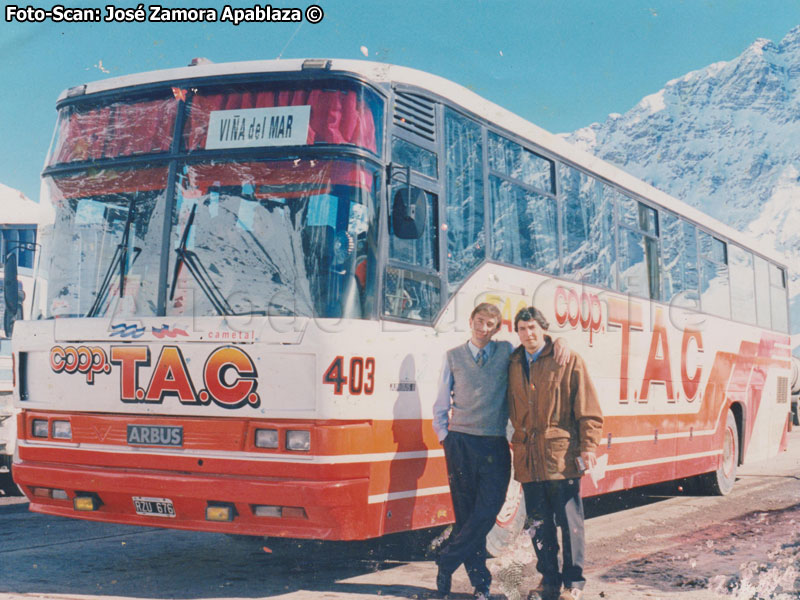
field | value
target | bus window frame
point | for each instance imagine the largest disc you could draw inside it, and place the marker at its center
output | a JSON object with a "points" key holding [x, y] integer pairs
{"points": [[784, 285], [710, 259], [748, 252], [427, 184]]}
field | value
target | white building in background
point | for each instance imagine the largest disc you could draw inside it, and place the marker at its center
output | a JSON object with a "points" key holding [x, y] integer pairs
{"points": [[19, 220]]}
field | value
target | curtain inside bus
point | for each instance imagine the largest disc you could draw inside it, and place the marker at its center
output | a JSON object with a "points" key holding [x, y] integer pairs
{"points": [[117, 129]]}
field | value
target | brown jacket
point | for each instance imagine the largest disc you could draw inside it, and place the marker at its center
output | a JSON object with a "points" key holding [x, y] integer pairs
{"points": [[555, 419]]}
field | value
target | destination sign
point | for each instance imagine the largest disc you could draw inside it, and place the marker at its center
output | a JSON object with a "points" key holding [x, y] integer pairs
{"points": [[258, 127]]}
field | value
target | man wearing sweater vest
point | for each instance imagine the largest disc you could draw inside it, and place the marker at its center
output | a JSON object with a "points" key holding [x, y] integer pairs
{"points": [[470, 415]]}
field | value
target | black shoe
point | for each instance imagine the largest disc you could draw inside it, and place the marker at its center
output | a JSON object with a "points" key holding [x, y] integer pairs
{"points": [[443, 583], [481, 594], [544, 592]]}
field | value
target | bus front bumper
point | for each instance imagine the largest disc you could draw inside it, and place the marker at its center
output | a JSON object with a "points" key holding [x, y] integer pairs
{"points": [[274, 507]]}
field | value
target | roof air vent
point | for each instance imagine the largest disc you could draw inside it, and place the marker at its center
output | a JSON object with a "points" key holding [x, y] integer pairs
{"points": [[415, 114], [316, 63], [78, 90]]}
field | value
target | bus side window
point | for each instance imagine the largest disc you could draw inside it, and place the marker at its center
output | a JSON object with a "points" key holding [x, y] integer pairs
{"points": [[464, 218], [763, 301], [679, 260], [411, 283], [418, 251], [524, 227], [777, 286], [27, 236], [524, 219], [743, 291], [410, 294], [587, 213], [714, 276], [406, 154], [639, 268]]}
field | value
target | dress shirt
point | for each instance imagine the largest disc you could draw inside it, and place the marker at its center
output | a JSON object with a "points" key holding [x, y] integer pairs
{"points": [[532, 357]]}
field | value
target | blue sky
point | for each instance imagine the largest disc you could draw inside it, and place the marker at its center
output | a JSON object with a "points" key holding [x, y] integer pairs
{"points": [[562, 64]]}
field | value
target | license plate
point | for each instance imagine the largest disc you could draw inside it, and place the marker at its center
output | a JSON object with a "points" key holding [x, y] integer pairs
{"points": [[154, 507]]}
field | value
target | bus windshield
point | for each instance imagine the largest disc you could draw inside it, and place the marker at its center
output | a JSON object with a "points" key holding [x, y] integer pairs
{"points": [[274, 238], [102, 255]]}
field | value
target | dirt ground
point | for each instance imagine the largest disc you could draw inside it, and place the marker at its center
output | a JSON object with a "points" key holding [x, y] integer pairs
{"points": [[679, 544], [660, 543], [756, 556]]}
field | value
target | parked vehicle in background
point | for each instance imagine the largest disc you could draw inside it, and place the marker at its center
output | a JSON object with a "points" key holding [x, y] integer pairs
{"points": [[19, 219]]}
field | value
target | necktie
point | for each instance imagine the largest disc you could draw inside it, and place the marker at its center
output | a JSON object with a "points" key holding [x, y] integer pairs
{"points": [[481, 357]]}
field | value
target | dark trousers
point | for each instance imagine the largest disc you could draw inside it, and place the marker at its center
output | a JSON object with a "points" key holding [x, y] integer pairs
{"points": [[551, 505], [478, 469]]}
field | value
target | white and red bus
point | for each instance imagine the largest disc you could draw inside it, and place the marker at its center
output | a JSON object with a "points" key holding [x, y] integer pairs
{"points": [[255, 269]]}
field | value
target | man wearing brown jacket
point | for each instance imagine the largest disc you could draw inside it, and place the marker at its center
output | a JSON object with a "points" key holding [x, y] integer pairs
{"points": [[557, 425]]}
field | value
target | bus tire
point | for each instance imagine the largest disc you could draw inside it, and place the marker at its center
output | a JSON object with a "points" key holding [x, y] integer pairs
{"points": [[720, 482], [509, 522]]}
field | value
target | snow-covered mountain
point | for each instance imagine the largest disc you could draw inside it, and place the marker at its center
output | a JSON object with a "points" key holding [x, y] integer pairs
{"points": [[725, 139]]}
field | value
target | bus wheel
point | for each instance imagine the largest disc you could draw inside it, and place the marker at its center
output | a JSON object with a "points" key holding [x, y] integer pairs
{"points": [[509, 522], [720, 482]]}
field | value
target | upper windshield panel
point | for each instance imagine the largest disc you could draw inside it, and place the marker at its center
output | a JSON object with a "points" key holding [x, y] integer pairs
{"points": [[94, 132], [306, 114], [275, 238], [101, 256]]}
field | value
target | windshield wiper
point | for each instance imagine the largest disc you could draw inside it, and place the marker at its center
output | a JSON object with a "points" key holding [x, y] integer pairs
{"points": [[198, 271], [120, 258]]}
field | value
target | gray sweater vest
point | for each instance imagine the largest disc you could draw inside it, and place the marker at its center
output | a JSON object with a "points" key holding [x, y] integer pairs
{"points": [[479, 393]]}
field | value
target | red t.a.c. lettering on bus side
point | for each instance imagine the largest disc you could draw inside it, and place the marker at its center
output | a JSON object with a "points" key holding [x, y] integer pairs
{"points": [[658, 367], [626, 314], [690, 384], [171, 378], [129, 359], [240, 391], [585, 310]]}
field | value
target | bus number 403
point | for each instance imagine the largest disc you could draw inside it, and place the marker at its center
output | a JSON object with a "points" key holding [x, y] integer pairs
{"points": [[359, 377]]}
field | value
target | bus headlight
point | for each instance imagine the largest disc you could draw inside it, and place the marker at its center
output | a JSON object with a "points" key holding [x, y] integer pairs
{"points": [[266, 438], [39, 428], [298, 440], [62, 430]]}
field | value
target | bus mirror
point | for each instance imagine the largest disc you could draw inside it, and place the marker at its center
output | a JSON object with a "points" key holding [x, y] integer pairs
{"points": [[10, 293], [409, 213]]}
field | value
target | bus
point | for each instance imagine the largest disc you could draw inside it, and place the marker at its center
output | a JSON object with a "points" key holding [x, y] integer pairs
{"points": [[18, 225], [254, 271]]}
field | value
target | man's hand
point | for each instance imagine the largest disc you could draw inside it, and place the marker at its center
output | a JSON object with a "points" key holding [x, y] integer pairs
{"points": [[589, 459], [561, 351]]}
